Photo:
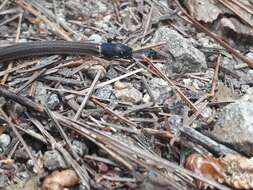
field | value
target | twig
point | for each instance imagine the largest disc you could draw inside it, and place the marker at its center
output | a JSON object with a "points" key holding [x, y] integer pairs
{"points": [[125, 120], [20, 138], [78, 113], [20, 99], [216, 38], [148, 23], [158, 44], [3, 4], [81, 171], [17, 39], [102, 84], [62, 132], [164, 77], [215, 77], [31, 80], [52, 25]]}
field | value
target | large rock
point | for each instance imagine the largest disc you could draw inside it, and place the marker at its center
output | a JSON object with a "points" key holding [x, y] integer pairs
{"points": [[187, 57], [234, 127]]}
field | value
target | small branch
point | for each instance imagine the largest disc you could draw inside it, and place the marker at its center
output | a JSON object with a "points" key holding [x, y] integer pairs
{"points": [[215, 77], [216, 38], [20, 99]]}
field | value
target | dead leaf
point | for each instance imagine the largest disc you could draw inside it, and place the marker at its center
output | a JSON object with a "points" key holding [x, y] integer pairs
{"points": [[205, 166], [58, 180]]}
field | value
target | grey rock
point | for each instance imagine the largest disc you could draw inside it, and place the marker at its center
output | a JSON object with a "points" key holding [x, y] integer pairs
{"points": [[53, 102], [234, 127], [21, 154], [175, 121], [23, 175], [207, 112], [250, 55], [112, 73], [3, 181], [249, 76], [245, 88], [187, 57], [41, 93], [80, 147], [96, 38], [230, 65], [128, 93], [160, 89], [5, 140], [93, 70], [248, 96], [105, 92], [54, 160]]}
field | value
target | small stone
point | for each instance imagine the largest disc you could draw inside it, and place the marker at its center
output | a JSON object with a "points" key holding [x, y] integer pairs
{"points": [[121, 85], [248, 96], [101, 6], [250, 55], [54, 160], [80, 147], [41, 93], [101, 24], [234, 127], [207, 113], [160, 89], [128, 94], [112, 73], [105, 92], [175, 121], [5, 140], [187, 57], [93, 70], [3, 181], [244, 88], [23, 175], [21, 154], [96, 38], [53, 102]]}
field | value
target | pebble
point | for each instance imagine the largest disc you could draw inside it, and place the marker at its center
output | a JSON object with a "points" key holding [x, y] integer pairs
{"points": [[112, 73], [3, 181], [234, 127], [80, 147], [53, 160], [250, 55], [187, 57], [5, 140], [96, 38], [127, 94], [53, 102], [121, 85], [160, 90], [41, 93], [93, 70], [105, 92], [248, 96]]}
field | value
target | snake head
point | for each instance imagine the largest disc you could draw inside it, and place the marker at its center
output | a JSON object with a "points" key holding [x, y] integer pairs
{"points": [[112, 51]]}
